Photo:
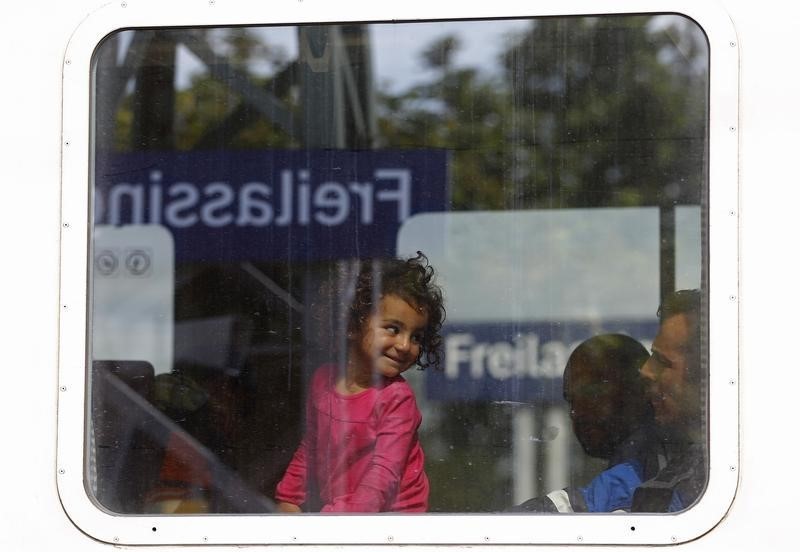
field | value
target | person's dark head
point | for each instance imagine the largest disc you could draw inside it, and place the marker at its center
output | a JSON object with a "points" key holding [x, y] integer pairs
{"points": [[412, 281], [672, 374], [605, 393]]}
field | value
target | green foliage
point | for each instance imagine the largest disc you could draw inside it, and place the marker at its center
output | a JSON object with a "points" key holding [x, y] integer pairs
{"points": [[467, 458], [587, 112], [579, 112]]}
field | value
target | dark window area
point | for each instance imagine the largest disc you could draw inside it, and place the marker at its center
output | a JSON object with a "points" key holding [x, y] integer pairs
{"points": [[251, 184]]}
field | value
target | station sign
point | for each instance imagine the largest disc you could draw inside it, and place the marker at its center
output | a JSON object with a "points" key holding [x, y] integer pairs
{"points": [[516, 362], [272, 204]]}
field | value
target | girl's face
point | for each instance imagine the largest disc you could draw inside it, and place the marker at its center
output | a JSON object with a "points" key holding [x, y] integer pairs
{"points": [[391, 337]]}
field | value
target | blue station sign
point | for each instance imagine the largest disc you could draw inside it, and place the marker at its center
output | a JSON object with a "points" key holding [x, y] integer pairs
{"points": [[518, 362], [272, 204]]}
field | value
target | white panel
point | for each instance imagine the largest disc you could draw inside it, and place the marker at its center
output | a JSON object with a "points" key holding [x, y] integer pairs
{"points": [[561, 264], [133, 290]]}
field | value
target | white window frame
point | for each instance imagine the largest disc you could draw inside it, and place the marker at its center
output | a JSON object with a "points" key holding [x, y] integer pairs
{"points": [[77, 157]]}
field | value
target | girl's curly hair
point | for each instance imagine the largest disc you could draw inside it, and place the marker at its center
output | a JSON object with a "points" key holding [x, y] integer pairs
{"points": [[411, 280]]}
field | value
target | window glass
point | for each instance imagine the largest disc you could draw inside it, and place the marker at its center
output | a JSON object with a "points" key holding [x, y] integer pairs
{"points": [[251, 187]]}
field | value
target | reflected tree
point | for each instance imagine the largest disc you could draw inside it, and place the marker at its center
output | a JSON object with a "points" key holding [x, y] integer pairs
{"points": [[604, 111]]}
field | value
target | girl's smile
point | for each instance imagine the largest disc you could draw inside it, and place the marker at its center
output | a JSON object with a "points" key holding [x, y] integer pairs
{"points": [[390, 341]]}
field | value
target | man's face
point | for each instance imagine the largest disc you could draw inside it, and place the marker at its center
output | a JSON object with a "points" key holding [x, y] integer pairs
{"points": [[595, 407], [674, 395]]}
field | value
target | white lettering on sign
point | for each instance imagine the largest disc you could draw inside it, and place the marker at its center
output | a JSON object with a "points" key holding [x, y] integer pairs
{"points": [[524, 358], [293, 201]]}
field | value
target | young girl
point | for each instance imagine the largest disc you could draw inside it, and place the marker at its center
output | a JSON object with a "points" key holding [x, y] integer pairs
{"points": [[361, 451]]}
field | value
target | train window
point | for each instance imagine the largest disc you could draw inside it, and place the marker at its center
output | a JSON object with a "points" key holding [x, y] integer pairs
{"points": [[455, 268]]}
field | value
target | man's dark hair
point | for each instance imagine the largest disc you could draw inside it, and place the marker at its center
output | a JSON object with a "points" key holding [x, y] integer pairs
{"points": [[615, 357], [684, 301]]}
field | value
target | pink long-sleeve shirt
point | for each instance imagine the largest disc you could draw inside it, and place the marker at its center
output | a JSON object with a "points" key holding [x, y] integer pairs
{"points": [[363, 449]]}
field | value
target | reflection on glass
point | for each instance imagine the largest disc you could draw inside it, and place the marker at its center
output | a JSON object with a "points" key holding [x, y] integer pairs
{"points": [[554, 172]]}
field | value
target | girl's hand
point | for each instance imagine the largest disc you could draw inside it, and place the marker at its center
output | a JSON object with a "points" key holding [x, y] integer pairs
{"points": [[288, 508]]}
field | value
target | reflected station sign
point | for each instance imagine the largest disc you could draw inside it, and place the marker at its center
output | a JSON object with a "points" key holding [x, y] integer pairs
{"points": [[517, 362], [272, 204]]}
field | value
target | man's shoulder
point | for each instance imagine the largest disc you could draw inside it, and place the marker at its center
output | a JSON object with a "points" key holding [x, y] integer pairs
{"points": [[676, 486]]}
